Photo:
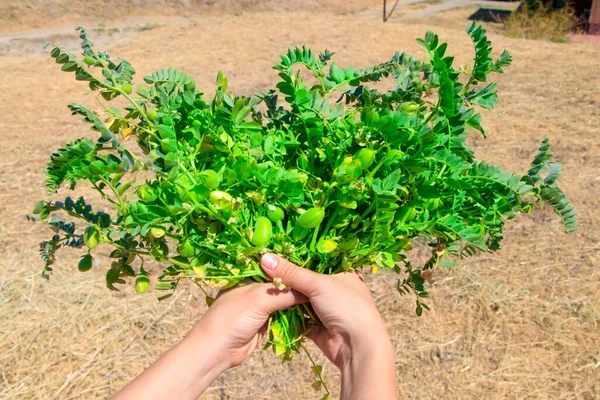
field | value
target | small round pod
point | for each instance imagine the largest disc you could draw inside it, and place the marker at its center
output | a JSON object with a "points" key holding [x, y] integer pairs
{"points": [[263, 230], [86, 263], [366, 157], [221, 200], [142, 282], [186, 248], [91, 237], [311, 218], [275, 213]]}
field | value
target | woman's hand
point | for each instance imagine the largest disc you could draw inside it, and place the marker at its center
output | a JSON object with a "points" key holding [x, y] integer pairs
{"points": [[353, 337], [238, 317], [223, 338]]}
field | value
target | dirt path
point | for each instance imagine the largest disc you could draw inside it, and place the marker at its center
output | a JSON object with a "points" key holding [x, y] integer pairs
{"points": [[31, 41], [452, 4], [417, 9]]}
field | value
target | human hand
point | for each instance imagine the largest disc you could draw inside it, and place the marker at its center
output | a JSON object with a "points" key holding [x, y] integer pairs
{"points": [[238, 318], [353, 336], [227, 333]]}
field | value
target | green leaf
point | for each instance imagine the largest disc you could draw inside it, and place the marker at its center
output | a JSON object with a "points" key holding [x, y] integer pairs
{"points": [[171, 160], [67, 163], [485, 97], [448, 264], [336, 73], [55, 52], [97, 124], [69, 66]]}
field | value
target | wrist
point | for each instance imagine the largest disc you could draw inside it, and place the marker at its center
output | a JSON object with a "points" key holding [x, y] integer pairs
{"points": [[367, 348], [369, 359], [362, 342], [206, 344], [205, 358], [184, 372]]}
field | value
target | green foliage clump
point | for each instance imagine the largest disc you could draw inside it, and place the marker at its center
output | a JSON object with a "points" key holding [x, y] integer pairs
{"points": [[332, 174]]}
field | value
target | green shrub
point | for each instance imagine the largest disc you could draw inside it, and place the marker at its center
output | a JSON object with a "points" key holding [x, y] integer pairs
{"points": [[331, 185]]}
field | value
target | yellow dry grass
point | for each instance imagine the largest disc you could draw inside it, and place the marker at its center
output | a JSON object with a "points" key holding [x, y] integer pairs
{"points": [[542, 23], [522, 323]]}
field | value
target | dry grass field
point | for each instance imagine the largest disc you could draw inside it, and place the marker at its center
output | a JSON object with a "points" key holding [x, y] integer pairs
{"points": [[522, 323]]}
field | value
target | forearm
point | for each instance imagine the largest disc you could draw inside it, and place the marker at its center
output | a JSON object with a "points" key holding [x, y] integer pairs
{"points": [[370, 371], [184, 372]]}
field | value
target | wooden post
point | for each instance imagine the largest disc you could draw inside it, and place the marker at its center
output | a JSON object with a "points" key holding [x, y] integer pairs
{"points": [[384, 10], [595, 18], [386, 16]]}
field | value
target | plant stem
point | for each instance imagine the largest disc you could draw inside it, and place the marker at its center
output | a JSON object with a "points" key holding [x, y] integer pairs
{"points": [[314, 364], [329, 222], [118, 246], [442, 171], [189, 175], [104, 195], [432, 112], [369, 209], [113, 190], [309, 312], [136, 105], [247, 274], [376, 168], [214, 213], [314, 237]]}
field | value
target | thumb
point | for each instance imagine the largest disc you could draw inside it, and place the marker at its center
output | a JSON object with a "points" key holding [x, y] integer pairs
{"points": [[305, 281], [271, 299]]}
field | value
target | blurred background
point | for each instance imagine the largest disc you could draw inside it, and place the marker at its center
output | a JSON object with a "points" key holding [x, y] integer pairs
{"points": [[522, 323]]}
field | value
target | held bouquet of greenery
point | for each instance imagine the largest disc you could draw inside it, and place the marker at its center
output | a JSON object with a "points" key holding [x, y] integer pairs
{"points": [[331, 183]]}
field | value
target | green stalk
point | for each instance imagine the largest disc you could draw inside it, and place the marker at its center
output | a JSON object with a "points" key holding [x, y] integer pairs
{"points": [[329, 223], [313, 241], [137, 106], [189, 175], [314, 364], [376, 168], [210, 210], [442, 171], [112, 188], [118, 246], [245, 274]]}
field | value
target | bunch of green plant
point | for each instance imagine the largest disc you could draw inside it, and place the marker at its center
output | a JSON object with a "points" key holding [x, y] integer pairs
{"points": [[328, 172], [539, 20]]}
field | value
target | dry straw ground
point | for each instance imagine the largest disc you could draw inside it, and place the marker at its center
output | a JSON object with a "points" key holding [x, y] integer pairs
{"points": [[522, 323]]}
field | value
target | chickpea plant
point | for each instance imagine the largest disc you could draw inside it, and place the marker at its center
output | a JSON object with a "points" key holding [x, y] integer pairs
{"points": [[328, 172]]}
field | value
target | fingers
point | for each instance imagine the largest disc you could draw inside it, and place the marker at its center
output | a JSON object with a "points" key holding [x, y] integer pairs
{"points": [[305, 281], [361, 277], [320, 337], [314, 333], [262, 331], [270, 299], [240, 285]]}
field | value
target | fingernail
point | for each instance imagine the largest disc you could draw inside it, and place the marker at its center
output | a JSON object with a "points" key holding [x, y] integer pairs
{"points": [[269, 261]]}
